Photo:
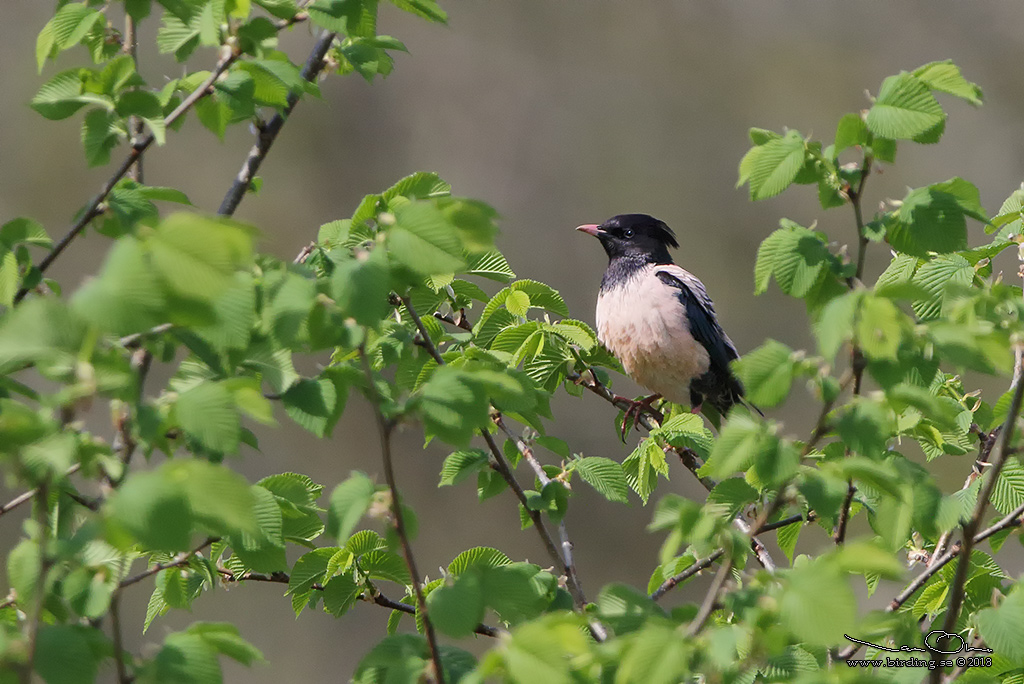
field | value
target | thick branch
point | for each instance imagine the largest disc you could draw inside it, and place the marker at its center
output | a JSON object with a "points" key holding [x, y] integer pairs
{"points": [[384, 427], [268, 132]]}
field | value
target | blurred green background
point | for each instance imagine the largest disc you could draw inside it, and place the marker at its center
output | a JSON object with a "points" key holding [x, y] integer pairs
{"points": [[556, 113]]}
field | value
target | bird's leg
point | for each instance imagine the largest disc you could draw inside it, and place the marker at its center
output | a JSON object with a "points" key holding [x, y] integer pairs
{"points": [[636, 409]]}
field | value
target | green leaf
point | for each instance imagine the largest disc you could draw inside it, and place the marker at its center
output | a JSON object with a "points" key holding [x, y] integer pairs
{"points": [[349, 17], [624, 609], [732, 494], [361, 287], [801, 603], [226, 640], [349, 502], [311, 404], [851, 132], [197, 256], [946, 77], [935, 277], [642, 467], [604, 475], [686, 431], [101, 132], [460, 465], [453, 406], [904, 109], [1001, 627], [457, 609], [796, 256], [340, 594], [427, 9], [767, 373], [65, 654], [931, 219], [491, 265], [65, 94], [208, 413], [774, 165], [185, 658], [1008, 493], [478, 557], [384, 565], [423, 240]]}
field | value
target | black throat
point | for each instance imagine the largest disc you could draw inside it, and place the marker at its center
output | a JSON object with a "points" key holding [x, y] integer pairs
{"points": [[622, 269]]}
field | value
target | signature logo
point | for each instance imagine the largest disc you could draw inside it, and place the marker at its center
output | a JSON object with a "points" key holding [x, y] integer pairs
{"points": [[935, 641]]}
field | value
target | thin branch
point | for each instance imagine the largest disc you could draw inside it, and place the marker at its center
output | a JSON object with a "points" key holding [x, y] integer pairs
{"points": [[567, 562], [711, 600], [39, 594], [998, 459], [669, 584], [27, 496], [268, 132], [1014, 518], [844, 513], [181, 559], [135, 124], [382, 600], [786, 522], [384, 427], [115, 627], [687, 457], [427, 342], [855, 199], [376, 597], [94, 208]]}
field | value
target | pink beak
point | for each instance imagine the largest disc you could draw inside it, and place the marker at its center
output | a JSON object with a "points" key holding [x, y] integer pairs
{"points": [[590, 229]]}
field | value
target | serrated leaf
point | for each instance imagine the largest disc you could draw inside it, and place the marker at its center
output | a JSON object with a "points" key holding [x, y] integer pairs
{"points": [[905, 108], [460, 465], [767, 373], [208, 413], [946, 77], [774, 165], [478, 556], [604, 475], [349, 502]]}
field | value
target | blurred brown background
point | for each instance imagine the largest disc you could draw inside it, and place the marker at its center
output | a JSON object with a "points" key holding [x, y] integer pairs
{"points": [[557, 114]]}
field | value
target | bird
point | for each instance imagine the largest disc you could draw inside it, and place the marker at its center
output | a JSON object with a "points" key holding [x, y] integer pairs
{"points": [[659, 321]]}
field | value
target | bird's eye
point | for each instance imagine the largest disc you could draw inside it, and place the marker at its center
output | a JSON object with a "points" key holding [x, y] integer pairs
{"points": [[628, 233]]}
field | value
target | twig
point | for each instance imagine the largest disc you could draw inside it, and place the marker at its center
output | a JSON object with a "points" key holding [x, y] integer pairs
{"points": [[39, 595], [855, 200], [998, 460], [94, 209], [384, 427], [268, 132], [566, 559], [181, 559], [844, 513], [382, 600], [376, 597], [135, 124], [711, 600], [1012, 519], [686, 574], [687, 458], [500, 465], [27, 496], [115, 627]]}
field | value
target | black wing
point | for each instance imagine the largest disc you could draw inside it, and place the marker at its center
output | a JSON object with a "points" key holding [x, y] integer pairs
{"points": [[700, 313], [718, 384]]}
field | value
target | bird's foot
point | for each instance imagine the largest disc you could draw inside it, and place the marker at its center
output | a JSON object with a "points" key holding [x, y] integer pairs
{"points": [[636, 409]]}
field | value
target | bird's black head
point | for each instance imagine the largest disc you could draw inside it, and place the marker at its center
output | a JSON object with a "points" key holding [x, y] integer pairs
{"points": [[634, 237]]}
